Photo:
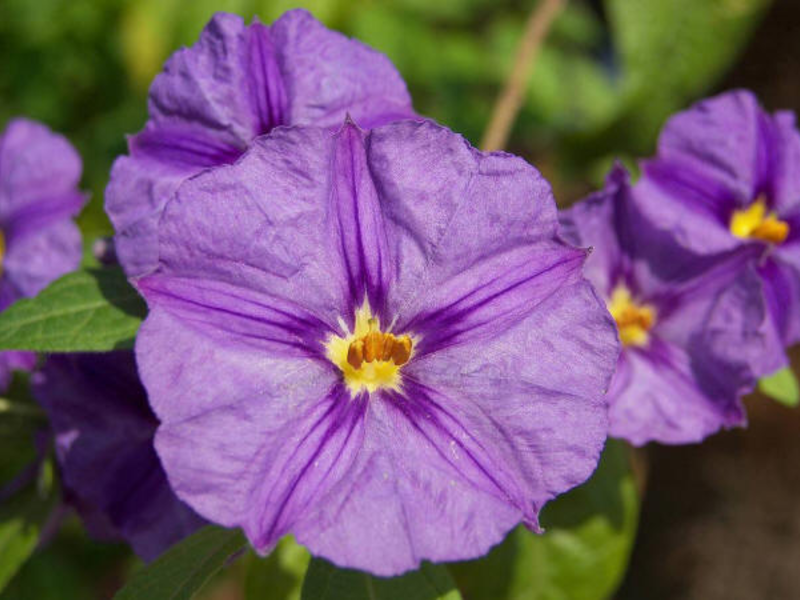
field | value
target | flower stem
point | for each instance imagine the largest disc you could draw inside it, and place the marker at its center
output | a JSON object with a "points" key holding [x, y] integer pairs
{"points": [[508, 103]]}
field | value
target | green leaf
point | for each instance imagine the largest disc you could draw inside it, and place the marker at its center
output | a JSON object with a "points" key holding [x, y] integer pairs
{"points": [[782, 387], [92, 310], [583, 553], [324, 581], [278, 576], [183, 569], [672, 51], [21, 519]]}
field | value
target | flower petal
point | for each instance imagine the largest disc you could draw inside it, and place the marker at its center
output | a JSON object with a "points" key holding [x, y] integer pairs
{"points": [[359, 230], [34, 260], [421, 487], [781, 282], [329, 76], [263, 224], [39, 171], [236, 83], [655, 397], [104, 441]]}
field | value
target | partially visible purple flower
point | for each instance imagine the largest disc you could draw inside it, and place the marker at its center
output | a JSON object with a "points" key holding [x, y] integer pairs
{"points": [[238, 82], [104, 432], [39, 174], [727, 176], [688, 324], [373, 341]]}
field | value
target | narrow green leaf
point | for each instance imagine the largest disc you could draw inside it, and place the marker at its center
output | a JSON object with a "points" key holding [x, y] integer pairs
{"points": [[324, 581], [583, 553], [21, 519], [186, 567], [782, 387], [92, 310]]}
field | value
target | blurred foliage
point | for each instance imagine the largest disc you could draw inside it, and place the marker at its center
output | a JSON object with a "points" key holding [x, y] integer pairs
{"points": [[610, 73], [584, 551]]}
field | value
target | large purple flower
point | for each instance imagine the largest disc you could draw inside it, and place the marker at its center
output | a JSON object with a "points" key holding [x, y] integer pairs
{"points": [[39, 173], [688, 325], [236, 83], [104, 432], [727, 176], [373, 341]]}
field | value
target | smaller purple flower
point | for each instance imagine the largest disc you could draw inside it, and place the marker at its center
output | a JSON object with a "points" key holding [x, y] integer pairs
{"points": [[687, 325], [39, 174], [727, 176], [237, 83], [104, 432]]}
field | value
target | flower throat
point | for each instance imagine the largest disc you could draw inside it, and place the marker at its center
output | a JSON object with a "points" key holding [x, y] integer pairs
{"points": [[634, 321], [369, 358], [754, 222]]}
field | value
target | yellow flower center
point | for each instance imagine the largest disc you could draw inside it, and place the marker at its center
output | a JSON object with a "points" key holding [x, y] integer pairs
{"points": [[369, 358], [2, 250], [634, 321], [754, 222]]}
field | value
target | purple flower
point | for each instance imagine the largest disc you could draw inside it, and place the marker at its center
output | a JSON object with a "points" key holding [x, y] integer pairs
{"points": [[236, 83], [688, 325], [727, 176], [39, 173], [373, 341], [104, 442]]}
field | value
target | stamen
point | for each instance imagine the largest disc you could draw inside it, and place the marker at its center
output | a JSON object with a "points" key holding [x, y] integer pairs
{"points": [[754, 222], [368, 358], [634, 321]]}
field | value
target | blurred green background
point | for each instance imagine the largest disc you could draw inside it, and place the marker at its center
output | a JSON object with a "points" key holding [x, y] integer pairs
{"points": [[609, 74]]}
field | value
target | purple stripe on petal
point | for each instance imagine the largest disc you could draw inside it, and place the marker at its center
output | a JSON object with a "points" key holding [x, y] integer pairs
{"points": [[655, 396], [359, 225], [692, 188], [182, 149], [266, 84], [494, 295], [782, 294], [270, 324]]}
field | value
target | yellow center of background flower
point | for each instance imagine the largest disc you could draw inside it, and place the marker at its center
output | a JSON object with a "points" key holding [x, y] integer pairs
{"points": [[369, 358], [634, 321], [2, 250], [754, 222]]}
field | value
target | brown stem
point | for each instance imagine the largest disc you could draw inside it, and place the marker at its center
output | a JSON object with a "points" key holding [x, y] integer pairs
{"points": [[508, 104]]}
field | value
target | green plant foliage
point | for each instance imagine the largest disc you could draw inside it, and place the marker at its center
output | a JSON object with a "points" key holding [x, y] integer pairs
{"points": [[21, 519], [782, 387], [92, 310], [583, 553], [324, 581], [673, 51], [280, 575], [183, 569]]}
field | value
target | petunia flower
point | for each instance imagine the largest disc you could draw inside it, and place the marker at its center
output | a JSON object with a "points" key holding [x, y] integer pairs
{"points": [[727, 176], [688, 325], [375, 342], [39, 174], [104, 432], [238, 82]]}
